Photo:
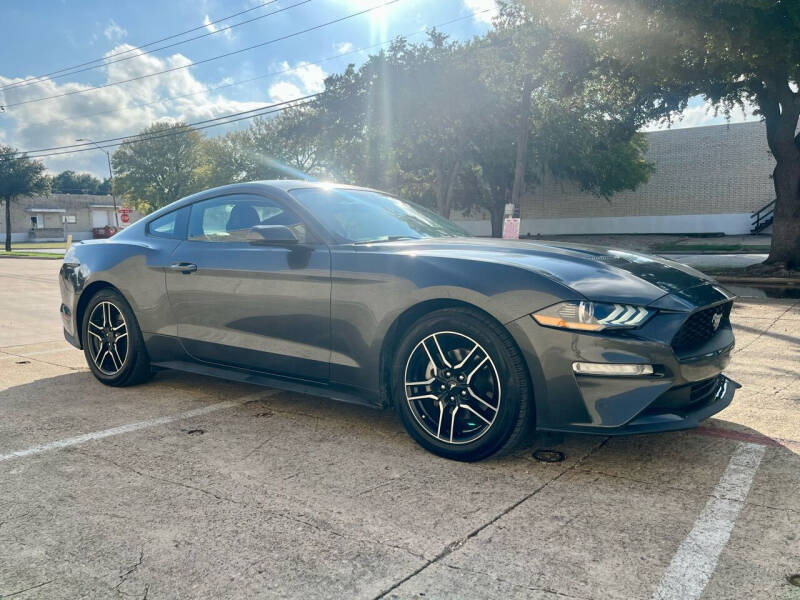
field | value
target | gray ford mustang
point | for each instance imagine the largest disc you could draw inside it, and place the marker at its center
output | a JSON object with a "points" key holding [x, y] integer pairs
{"points": [[353, 294]]}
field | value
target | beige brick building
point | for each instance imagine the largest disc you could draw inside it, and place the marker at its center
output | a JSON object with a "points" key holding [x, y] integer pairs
{"points": [[54, 217], [707, 179]]}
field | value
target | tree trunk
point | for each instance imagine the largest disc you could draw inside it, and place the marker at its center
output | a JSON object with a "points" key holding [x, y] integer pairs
{"points": [[497, 211], [781, 109], [445, 185], [785, 247], [8, 224], [522, 141]]}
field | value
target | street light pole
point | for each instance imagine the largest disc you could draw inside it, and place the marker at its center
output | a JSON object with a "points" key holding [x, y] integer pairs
{"points": [[110, 177]]}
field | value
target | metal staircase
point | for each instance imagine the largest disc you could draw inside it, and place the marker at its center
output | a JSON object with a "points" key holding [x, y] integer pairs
{"points": [[762, 218]]}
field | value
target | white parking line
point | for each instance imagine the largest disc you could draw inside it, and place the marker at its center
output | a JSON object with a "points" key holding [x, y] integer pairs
{"points": [[97, 435], [696, 558]]}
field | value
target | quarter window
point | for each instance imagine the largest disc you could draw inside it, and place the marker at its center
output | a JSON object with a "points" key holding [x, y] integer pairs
{"points": [[167, 226]]}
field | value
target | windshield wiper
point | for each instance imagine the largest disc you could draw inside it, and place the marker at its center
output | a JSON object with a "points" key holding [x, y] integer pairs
{"points": [[388, 238]]}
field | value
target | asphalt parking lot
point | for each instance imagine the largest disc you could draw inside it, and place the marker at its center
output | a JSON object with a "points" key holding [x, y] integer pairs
{"points": [[189, 487]]}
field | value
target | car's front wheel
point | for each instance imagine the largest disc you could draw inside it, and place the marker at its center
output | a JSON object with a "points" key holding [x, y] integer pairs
{"points": [[112, 341], [460, 386]]}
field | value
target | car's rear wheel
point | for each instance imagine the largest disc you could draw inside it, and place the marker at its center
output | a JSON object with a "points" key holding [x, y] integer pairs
{"points": [[112, 341], [460, 386]]}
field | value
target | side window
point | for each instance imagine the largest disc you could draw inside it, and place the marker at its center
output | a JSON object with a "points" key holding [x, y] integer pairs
{"points": [[168, 226], [230, 218]]}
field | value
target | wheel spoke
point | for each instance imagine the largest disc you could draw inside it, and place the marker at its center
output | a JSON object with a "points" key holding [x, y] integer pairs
{"points": [[114, 354], [467, 357], [475, 370], [441, 354], [122, 335], [426, 382], [106, 314], [441, 414], [430, 358], [481, 400], [99, 337], [453, 423], [113, 359], [476, 413], [95, 325], [100, 357], [423, 397]]}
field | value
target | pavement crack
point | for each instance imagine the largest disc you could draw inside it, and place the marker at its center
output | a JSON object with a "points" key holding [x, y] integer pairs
{"points": [[157, 478], [130, 570], [517, 585], [18, 592], [456, 544], [766, 329]]}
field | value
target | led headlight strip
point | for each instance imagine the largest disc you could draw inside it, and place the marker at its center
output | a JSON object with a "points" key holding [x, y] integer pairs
{"points": [[592, 316]]}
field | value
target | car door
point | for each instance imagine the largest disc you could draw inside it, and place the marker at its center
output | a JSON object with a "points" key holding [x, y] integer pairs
{"points": [[259, 307]]}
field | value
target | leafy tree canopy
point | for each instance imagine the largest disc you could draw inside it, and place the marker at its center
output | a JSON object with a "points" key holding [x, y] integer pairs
{"points": [[158, 167], [19, 176], [742, 53]]}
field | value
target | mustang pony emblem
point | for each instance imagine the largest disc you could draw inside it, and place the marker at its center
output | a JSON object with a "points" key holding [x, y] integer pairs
{"points": [[716, 320]]}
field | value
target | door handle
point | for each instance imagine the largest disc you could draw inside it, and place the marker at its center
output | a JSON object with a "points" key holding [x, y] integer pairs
{"points": [[183, 267]]}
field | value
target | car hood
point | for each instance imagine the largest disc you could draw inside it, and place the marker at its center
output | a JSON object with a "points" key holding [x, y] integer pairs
{"points": [[600, 274]]}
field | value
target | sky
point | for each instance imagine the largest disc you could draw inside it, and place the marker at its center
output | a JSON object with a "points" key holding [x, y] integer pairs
{"points": [[49, 36]]}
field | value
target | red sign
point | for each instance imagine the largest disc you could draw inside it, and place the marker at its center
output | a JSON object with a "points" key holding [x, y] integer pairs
{"points": [[125, 217], [511, 228]]}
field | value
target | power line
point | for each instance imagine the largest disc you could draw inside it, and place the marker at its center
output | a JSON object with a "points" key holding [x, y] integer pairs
{"points": [[200, 62], [197, 37], [215, 122], [244, 112], [148, 44], [266, 75]]}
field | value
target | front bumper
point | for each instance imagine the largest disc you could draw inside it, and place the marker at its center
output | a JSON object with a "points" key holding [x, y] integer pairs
{"points": [[684, 390]]}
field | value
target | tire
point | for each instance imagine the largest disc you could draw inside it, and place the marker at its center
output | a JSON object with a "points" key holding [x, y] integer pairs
{"points": [[469, 396], [123, 362]]}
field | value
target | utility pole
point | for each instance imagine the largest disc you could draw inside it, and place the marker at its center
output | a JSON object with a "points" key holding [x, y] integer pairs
{"points": [[110, 177]]}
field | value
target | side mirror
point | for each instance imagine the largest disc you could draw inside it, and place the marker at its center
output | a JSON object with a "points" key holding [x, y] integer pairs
{"points": [[271, 235]]}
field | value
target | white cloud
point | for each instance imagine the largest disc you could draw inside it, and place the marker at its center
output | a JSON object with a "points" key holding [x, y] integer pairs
{"points": [[108, 112], [343, 47], [305, 79], [283, 91], [482, 5], [114, 32], [227, 33]]}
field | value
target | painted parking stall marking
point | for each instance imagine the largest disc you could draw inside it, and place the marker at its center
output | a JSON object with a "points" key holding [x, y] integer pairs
{"points": [[694, 562], [128, 428]]}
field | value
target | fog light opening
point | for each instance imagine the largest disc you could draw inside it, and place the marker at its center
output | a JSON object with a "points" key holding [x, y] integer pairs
{"points": [[586, 368]]}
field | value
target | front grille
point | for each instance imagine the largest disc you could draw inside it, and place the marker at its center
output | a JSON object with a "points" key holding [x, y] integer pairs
{"points": [[699, 327]]}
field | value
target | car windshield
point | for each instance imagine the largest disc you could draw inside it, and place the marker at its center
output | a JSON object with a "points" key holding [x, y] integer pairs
{"points": [[362, 216]]}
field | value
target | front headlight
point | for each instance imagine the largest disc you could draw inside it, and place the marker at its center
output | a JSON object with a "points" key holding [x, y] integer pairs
{"points": [[592, 316]]}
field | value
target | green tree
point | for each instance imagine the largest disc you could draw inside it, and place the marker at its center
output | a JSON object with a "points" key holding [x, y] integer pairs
{"points": [[731, 52], [229, 159], [70, 182], [286, 146], [160, 165], [555, 112], [19, 176]]}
